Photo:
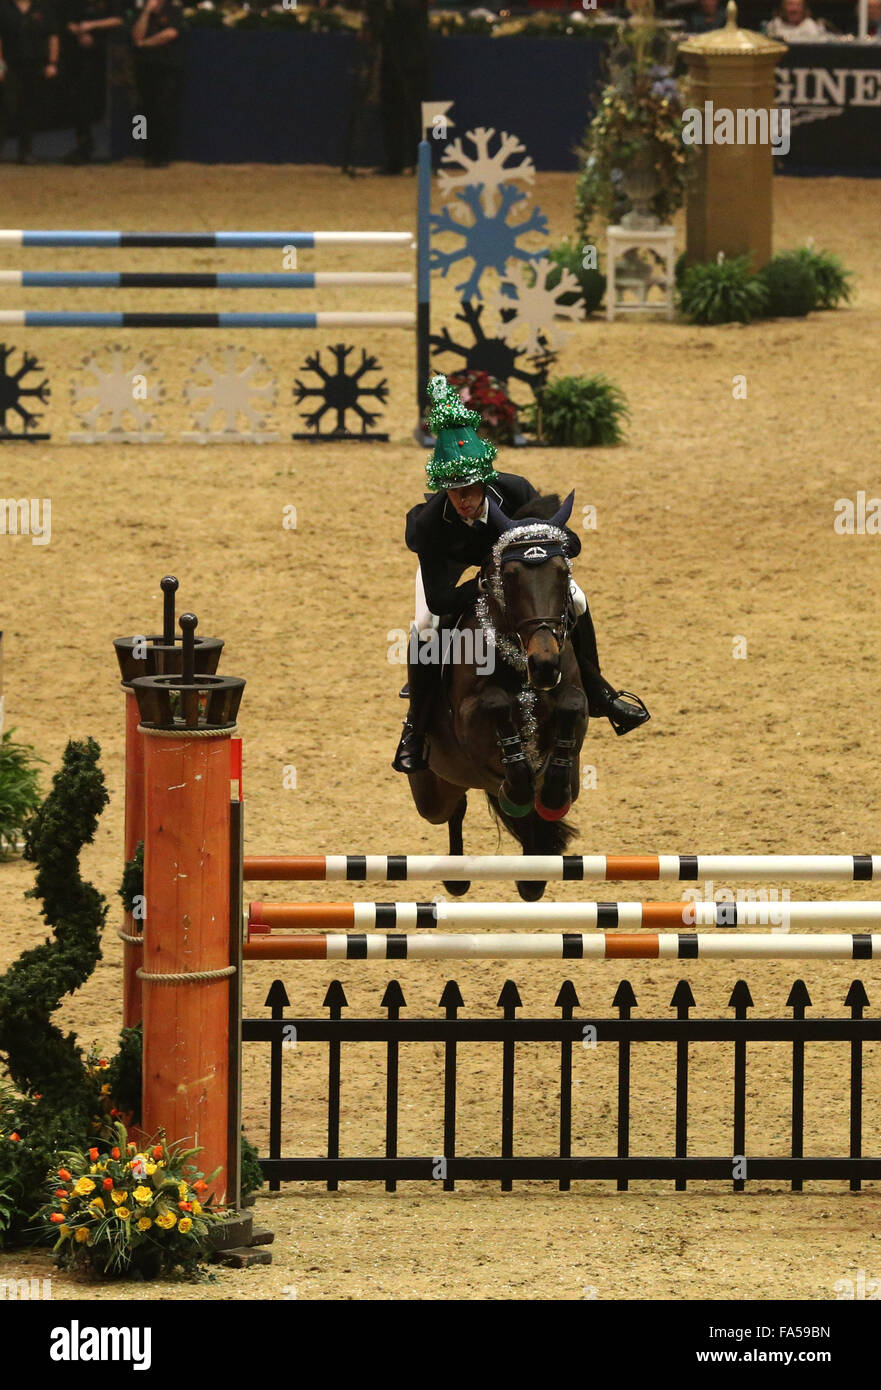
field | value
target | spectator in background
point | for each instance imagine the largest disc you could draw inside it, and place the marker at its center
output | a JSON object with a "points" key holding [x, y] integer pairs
{"points": [[157, 38], [706, 15], [88, 25], [403, 32], [28, 60], [793, 24]]}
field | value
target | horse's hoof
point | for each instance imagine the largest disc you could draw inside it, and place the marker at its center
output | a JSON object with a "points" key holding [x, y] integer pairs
{"points": [[457, 889], [529, 890]]}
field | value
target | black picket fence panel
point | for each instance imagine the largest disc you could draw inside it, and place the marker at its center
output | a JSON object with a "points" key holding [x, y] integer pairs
{"points": [[566, 1031]]}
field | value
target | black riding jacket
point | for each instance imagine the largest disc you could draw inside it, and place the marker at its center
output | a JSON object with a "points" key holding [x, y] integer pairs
{"points": [[447, 545]]}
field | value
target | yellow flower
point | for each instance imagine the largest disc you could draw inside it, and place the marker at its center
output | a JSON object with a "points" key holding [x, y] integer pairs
{"points": [[82, 1235], [166, 1220], [185, 1224], [96, 1205], [123, 1213], [118, 1196], [151, 1169], [84, 1187], [105, 1089], [64, 1205], [182, 1191], [144, 1223], [197, 1207], [143, 1196], [63, 1232]]}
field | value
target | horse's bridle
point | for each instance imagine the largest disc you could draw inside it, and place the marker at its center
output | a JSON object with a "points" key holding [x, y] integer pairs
{"points": [[558, 627]]}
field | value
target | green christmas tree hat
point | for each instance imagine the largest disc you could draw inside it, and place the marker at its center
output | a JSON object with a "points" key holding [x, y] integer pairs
{"points": [[460, 455]]}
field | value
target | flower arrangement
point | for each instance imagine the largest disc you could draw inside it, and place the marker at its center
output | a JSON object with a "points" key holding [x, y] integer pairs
{"points": [[481, 392], [118, 1209], [637, 129]]}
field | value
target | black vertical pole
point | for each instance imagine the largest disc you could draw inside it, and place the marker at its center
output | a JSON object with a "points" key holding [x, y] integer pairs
{"points": [[423, 279]]}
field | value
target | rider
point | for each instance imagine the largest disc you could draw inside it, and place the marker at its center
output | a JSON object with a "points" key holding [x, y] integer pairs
{"points": [[450, 533]]}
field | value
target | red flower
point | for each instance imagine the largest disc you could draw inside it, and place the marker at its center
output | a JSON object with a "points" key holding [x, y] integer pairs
{"points": [[64, 1175], [93, 1154], [114, 1153], [108, 1184], [157, 1151], [185, 1206], [200, 1186], [57, 1217], [15, 1137]]}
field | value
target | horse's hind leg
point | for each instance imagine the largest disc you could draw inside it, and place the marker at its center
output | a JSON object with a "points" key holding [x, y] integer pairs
{"points": [[454, 825], [440, 802]]}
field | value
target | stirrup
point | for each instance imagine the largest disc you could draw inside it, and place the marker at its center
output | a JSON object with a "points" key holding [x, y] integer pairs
{"points": [[631, 717]]}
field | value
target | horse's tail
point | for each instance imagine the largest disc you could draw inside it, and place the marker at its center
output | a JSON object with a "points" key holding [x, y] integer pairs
{"points": [[535, 835]]}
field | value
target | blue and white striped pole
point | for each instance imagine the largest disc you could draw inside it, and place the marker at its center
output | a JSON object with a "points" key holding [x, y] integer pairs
{"points": [[38, 318], [229, 240], [191, 280]]}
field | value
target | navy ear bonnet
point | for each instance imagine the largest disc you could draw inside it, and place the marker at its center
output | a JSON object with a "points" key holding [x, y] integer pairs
{"points": [[534, 552]]}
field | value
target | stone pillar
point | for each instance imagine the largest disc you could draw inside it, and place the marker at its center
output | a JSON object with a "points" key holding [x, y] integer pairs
{"points": [[729, 203]]}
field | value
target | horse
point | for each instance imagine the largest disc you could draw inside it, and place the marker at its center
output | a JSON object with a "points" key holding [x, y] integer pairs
{"points": [[511, 724]]}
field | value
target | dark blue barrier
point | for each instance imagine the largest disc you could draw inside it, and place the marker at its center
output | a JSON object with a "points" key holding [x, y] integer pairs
{"points": [[278, 97]]}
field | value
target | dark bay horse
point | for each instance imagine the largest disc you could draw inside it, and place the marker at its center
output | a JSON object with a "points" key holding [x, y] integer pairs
{"points": [[511, 716]]}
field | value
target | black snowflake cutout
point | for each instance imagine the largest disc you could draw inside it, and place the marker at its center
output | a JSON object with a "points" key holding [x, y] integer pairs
{"points": [[494, 355], [341, 391], [13, 396]]}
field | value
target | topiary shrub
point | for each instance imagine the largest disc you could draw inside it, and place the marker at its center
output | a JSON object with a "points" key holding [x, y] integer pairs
{"points": [[722, 291], [252, 1178], [62, 1099], [790, 285], [19, 791], [832, 279], [570, 256], [579, 412]]}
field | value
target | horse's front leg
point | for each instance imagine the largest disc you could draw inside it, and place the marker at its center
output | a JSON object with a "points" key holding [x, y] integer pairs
{"points": [[570, 725], [489, 723]]}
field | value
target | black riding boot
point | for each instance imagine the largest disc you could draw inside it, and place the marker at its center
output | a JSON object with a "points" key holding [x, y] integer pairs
{"points": [[422, 684], [623, 710]]}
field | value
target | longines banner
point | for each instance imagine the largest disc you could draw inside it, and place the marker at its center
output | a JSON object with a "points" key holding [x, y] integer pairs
{"points": [[833, 93]]}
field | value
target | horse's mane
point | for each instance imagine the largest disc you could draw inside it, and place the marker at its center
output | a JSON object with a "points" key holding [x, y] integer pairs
{"points": [[540, 508]]}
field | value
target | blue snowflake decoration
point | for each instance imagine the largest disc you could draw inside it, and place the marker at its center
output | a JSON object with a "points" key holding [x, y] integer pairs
{"points": [[489, 241]]}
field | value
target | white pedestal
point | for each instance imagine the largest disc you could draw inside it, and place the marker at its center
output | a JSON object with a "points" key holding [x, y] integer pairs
{"points": [[620, 240]]}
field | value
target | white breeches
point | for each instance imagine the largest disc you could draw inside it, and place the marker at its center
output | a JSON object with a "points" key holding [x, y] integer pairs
{"points": [[425, 621]]}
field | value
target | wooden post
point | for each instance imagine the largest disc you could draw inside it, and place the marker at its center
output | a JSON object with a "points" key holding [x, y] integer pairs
{"points": [[147, 656], [186, 943], [187, 721]]}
